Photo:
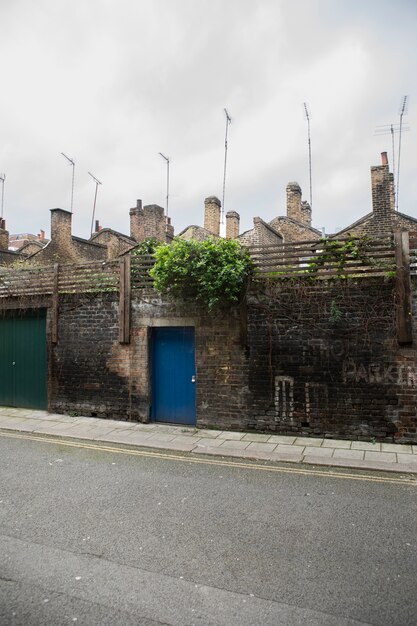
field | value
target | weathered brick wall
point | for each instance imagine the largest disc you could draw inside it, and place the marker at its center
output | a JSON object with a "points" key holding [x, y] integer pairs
{"points": [[84, 374], [116, 243], [324, 359], [93, 374], [294, 231], [8, 258], [318, 358], [369, 225]]}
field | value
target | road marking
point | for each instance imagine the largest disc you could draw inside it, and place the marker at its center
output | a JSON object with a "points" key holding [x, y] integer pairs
{"points": [[204, 461]]}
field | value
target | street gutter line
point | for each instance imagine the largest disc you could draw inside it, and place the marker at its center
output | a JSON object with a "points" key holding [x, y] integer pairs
{"points": [[190, 459]]}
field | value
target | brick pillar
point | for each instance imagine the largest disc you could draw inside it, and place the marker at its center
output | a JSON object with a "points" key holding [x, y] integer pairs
{"points": [[61, 228], [381, 197], [212, 215], [136, 222], [232, 224], [4, 235], [294, 202]]}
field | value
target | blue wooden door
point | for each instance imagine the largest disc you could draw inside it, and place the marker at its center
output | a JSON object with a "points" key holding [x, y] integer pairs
{"points": [[173, 375]]}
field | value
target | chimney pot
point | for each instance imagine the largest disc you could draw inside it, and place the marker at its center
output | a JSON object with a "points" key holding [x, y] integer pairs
{"points": [[384, 158]]}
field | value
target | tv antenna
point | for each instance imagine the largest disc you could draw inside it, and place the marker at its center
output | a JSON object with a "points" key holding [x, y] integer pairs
{"points": [[72, 162], [228, 121], [2, 179], [403, 111], [308, 115], [97, 182], [167, 196]]}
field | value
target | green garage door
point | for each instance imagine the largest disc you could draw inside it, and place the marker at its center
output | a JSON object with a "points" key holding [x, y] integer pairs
{"points": [[23, 360]]}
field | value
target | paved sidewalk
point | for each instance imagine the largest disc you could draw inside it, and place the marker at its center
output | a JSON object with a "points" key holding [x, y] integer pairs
{"points": [[316, 451]]}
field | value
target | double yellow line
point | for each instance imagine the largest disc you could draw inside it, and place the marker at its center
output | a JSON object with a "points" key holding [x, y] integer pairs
{"points": [[410, 481]]}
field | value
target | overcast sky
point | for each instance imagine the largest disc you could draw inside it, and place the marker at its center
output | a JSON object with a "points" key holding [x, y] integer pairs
{"points": [[112, 84]]}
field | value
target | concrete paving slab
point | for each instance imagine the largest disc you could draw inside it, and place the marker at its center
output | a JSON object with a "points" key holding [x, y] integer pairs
{"points": [[256, 437], [188, 440], [230, 435], [396, 447], [336, 443], [294, 449], [208, 432], [318, 451], [309, 441], [143, 427], [48, 427], [27, 425], [12, 421], [125, 436], [282, 439], [340, 453], [414, 448], [233, 443], [386, 457], [180, 447], [219, 451], [207, 442], [407, 458], [365, 445], [162, 437], [290, 456], [261, 447]]}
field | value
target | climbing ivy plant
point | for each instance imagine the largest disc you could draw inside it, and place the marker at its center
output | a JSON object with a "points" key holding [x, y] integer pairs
{"points": [[211, 272], [340, 253]]}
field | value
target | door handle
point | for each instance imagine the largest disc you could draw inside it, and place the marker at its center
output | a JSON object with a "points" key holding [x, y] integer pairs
{"points": [[193, 379], [14, 363]]}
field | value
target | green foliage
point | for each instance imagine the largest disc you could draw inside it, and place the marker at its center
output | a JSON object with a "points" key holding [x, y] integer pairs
{"points": [[339, 253], [211, 272], [147, 246], [335, 313]]}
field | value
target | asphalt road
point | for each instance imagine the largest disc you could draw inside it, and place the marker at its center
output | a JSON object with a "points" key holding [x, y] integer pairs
{"points": [[94, 536]]}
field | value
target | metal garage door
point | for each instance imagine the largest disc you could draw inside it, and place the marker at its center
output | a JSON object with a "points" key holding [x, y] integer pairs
{"points": [[23, 360]]}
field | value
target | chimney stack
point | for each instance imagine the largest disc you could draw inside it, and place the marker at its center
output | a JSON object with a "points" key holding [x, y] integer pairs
{"points": [[212, 215], [4, 236], [61, 227], [232, 224], [382, 196], [136, 222], [294, 202]]}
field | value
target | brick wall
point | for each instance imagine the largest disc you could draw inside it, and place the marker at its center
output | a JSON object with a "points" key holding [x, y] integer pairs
{"points": [[317, 358], [324, 359], [294, 231], [92, 374]]}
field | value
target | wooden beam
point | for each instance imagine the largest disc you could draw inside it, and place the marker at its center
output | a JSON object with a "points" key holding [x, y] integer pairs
{"points": [[403, 288], [54, 307], [124, 300]]}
